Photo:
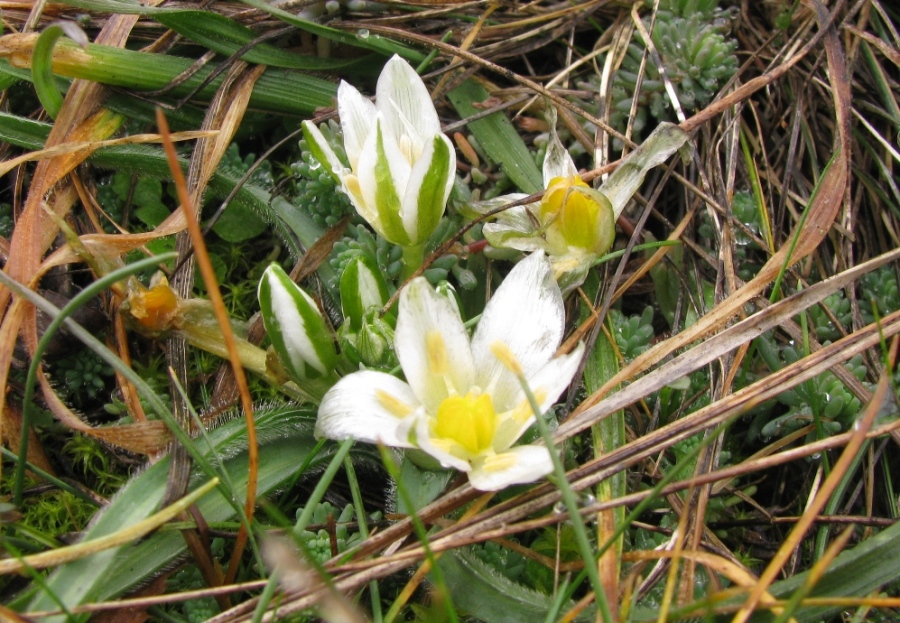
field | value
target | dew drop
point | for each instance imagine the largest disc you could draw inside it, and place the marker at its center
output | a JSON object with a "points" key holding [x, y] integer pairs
{"points": [[363, 33], [559, 508]]}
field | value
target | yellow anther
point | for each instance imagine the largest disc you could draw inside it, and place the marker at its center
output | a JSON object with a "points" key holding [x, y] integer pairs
{"points": [[468, 420], [437, 352], [393, 404], [507, 357], [499, 462]]}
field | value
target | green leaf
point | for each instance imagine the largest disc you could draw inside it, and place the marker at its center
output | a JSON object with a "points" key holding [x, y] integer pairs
{"points": [[152, 214], [149, 161], [226, 36], [498, 138], [489, 596], [280, 91], [42, 67], [285, 441], [238, 223]]}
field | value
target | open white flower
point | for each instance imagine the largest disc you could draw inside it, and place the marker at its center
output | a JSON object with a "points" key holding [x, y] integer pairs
{"points": [[401, 166], [459, 403], [574, 223]]}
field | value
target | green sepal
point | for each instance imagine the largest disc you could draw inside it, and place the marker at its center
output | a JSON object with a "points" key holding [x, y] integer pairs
{"points": [[296, 329], [432, 197]]}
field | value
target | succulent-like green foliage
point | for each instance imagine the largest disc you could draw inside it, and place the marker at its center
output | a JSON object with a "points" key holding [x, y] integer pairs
{"points": [[697, 55], [878, 291], [83, 376], [824, 328], [823, 400], [361, 241], [316, 190], [319, 542], [632, 333]]}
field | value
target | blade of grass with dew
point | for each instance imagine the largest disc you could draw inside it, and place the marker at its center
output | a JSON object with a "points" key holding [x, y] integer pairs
{"points": [[498, 137], [279, 91]]}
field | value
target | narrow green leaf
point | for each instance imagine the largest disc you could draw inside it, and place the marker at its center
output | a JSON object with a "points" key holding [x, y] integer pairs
{"points": [[42, 68], [280, 91], [498, 138], [226, 36]]}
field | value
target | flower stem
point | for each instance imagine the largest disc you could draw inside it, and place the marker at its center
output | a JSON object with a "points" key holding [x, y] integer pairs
{"points": [[413, 256]]}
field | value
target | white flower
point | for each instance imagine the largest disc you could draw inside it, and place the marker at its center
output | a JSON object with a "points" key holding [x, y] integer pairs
{"points": [[459, 403], [401, 166], [574, 223]]}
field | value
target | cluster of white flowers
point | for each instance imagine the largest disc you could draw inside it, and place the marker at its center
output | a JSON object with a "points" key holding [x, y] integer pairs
{"points": [[463, 402]]}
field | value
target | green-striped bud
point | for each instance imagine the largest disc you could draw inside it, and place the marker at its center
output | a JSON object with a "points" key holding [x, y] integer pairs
{"points": [[362, 288], [296, 328]]}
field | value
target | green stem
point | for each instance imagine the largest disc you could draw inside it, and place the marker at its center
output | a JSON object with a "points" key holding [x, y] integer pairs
{"points": [[413, 256]]}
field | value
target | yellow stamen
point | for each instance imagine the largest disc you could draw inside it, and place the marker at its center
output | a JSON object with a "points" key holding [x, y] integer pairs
{"points": [[523, 411], [393, 404], [468, 420], [507, 357], [437, 352], [499, 462]]}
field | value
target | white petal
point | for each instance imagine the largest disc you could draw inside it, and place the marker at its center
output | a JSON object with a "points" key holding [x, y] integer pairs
{"points": [[357, 114], [384, 211], [519, 465], [318, 143], [664, 141], [546, 385], [405, 102], [369, 406], [432, 345], [526, 314], [557, 161], [445, 458]]}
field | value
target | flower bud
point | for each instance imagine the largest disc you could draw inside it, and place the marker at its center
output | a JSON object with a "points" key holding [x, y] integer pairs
{"points": [[295, 326], [362, 288]]}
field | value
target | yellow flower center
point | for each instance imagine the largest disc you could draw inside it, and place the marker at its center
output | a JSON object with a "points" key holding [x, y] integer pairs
{"points": [[568, 205], [467, 420]]}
